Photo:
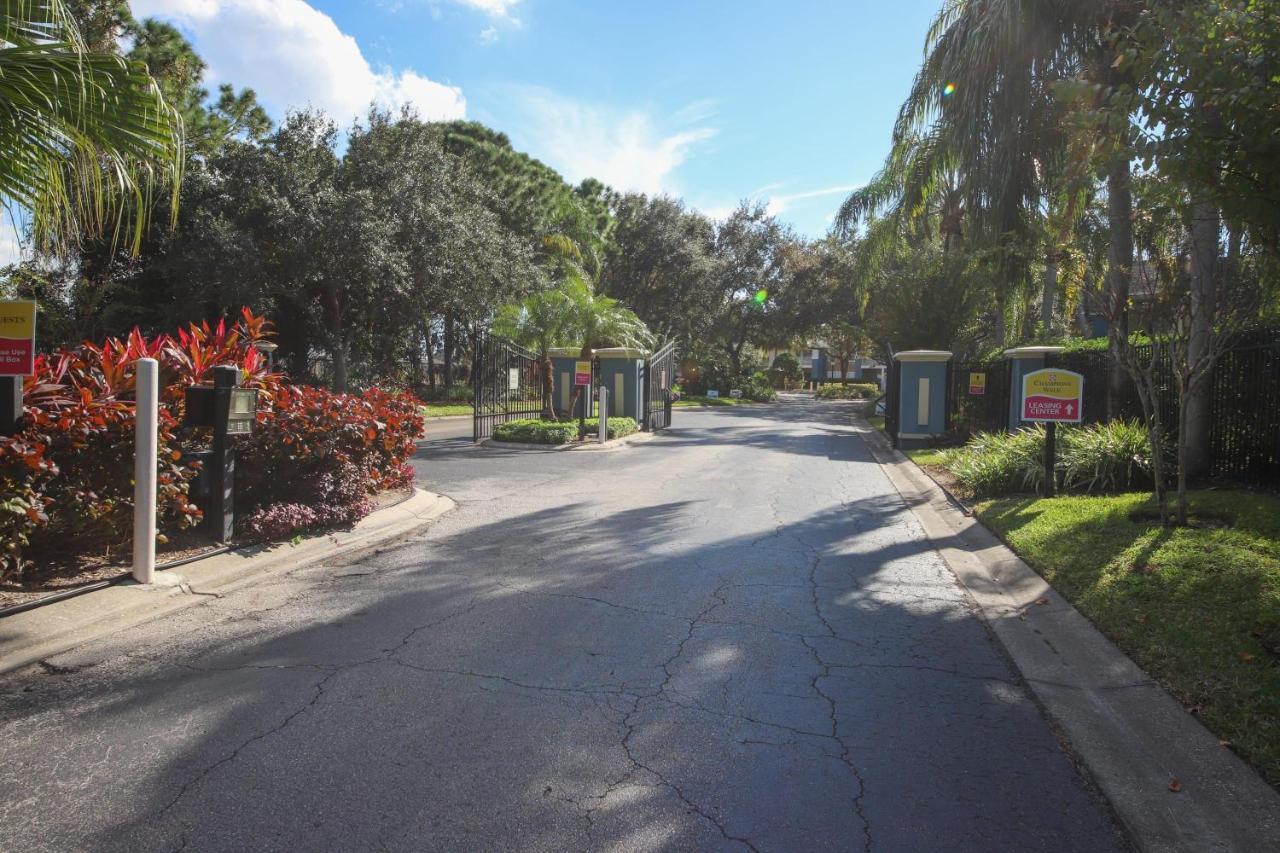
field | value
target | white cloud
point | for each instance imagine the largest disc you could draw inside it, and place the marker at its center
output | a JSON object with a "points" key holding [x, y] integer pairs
{"points": [[488, 35], [628, 150], [11, 249], [493, 8], [779, 203], [292, 55]]}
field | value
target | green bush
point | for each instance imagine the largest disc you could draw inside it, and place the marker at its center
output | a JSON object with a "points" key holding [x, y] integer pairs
{"points": [[1111, 457], [852, 391], [532, 431], [757, 387], [1104, 457]]}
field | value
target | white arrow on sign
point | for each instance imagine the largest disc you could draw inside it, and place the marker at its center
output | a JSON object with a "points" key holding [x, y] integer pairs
{"points": [[1070, 408]]}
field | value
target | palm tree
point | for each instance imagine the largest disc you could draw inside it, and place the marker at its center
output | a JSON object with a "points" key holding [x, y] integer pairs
{"points": [[86, 138], [541, 322], [982, 127]]}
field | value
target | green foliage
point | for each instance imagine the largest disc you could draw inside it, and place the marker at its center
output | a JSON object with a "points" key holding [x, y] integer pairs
{"points": [[533, 431], [852, 391], [1102, 457], [1196, 607], [757, 388], [786, 371], [88, 139]]}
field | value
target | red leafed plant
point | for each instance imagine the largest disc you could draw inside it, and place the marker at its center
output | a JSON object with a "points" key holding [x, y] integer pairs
{"points": [[66, 477]]}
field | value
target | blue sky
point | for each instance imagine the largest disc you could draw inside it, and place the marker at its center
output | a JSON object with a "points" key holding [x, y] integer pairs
{"points": [[790, 103]]}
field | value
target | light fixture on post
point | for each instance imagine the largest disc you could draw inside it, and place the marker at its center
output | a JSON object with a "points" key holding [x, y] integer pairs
{"points": [[267, 348]]}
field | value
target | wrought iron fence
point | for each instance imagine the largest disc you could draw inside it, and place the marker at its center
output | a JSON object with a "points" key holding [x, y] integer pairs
{"points": [[659, 376], [977, 397], [507, 380]]}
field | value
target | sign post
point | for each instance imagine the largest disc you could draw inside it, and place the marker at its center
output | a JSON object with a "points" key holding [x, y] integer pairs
{"points": [[582, 379], [17, 359], [1051, 397]]}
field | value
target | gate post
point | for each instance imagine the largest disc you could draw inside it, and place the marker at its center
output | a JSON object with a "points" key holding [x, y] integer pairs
{"points": [[1023, 360], [922, 397]]}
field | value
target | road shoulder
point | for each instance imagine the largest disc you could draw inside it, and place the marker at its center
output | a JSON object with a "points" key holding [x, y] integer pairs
{"points": [[1171, 784], [32, 636]]}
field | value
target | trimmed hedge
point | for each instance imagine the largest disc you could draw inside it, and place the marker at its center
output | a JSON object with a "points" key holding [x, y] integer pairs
{"points": [[852, 391], [533, 431]]}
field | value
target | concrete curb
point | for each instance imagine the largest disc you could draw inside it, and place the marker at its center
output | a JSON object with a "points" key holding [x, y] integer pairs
{"points": [[590, 447], [1131, 735], [26, 638]]}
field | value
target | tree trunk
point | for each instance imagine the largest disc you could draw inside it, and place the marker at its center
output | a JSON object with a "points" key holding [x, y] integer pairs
{"points": [[431, 358], [1120, 271], [1193, 434], [340, 366], [548, 387], [1050, 293], [448, 351], [844, 371], [999, 322]]}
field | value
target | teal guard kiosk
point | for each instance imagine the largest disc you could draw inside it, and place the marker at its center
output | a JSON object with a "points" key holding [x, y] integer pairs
{"points": [[621, 371], [563, 360], [818, 371], [922, 397], [1023, 360]]}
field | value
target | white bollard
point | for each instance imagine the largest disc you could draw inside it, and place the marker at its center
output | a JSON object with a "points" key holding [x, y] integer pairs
{"points": [[604, 415], [144, 471]]}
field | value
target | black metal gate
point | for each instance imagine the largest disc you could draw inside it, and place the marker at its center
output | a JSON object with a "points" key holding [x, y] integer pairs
{"points": [[659, 376], [977, 397], [507, 380], [891, 401]]}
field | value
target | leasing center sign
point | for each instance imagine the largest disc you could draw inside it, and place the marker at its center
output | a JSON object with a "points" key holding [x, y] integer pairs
{"points": [[17, 338], [1052, 396]]}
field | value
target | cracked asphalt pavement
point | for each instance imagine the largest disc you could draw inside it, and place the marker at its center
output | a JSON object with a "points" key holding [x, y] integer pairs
{"points": [[735, 636]]}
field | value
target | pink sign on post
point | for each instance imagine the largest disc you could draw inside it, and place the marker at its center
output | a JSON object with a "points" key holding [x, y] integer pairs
{"points": [[1052, 396]]}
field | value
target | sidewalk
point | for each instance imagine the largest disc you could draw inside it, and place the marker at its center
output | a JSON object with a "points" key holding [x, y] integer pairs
{"points": [[1133, 738], [26, 638]]}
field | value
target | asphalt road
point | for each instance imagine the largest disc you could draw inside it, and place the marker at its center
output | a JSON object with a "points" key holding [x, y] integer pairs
{"points": [[732, 637]]}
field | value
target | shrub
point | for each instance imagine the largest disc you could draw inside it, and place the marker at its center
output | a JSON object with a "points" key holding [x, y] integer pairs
{"points": [[532, 431], [852, 391], [326, 452], [66, 477], [756, 387], [1096, 458], [1108, 457]]}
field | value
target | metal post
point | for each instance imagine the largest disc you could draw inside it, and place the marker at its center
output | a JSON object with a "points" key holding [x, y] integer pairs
{"points": [[1050, 440], [603, 431], [144, 469], [220, 513], [10, 404]]}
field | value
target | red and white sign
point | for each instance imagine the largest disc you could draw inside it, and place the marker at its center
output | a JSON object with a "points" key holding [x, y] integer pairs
{"points": [[582, 373], [1052, 396], [17, 338]]}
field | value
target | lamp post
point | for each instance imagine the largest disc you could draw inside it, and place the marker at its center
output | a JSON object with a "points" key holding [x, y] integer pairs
{"points": [[267, 348]]}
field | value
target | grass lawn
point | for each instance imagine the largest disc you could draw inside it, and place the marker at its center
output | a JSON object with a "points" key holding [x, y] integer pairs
{"points": [[444, 410], [925, 455], [1197, 608], [686, 402], [876, 421]]}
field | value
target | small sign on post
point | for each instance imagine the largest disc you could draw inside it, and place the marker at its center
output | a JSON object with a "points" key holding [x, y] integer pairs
{"points": [[977, 384], [1050, 397], [582, 373], [17, 359]]}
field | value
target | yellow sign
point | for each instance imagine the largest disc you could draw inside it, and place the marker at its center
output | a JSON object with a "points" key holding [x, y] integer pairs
{"points": [[582, 373], [1052, 395], [978, 384], [17, 338]]}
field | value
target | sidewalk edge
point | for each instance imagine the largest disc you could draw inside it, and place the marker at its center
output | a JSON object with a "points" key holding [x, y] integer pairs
{"points": [[1132, 736]]}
